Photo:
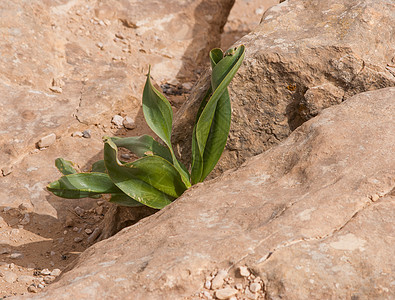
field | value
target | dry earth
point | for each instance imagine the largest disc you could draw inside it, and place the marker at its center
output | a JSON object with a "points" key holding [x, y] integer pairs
{"points": [[68, 67]]}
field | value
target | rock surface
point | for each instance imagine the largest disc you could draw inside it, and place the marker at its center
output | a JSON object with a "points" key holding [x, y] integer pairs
{"points": [[66, 68], [303, 57], [311, 218]]}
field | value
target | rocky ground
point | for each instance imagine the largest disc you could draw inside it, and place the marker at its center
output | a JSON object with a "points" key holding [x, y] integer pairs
{"points": [[311, 218], [40, 234]]}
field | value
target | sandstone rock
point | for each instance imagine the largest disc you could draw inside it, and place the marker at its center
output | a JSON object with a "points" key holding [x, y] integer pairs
{"points": [[129, 123], [47, 140], [303, 57], [244, 271], [218, 280], [9, 276], [299, 215], [225, 293]]}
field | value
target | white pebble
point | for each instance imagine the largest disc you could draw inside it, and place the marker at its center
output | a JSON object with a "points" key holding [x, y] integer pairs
{"points": [[117, 120], [129, 123], [225, 293], [255, 287], [218, 280], [77, 134], [47, 141], [244, 271], [56, 272], [45, 272], [207, 284]]}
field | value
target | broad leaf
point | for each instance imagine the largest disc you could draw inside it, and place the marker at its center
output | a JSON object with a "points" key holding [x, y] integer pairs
{"points": [[124, 200], [129, 178], [142, 146], [212, 127], [83, 185], [65, 167], [157, 111]]}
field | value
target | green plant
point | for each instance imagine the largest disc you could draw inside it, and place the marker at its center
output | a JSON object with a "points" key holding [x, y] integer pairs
{"points": [[157, 177]]}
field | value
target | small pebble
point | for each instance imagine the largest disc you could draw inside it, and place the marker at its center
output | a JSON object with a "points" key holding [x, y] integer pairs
{"points": [[94, 235], [250, 295], [78, 239], [225, 293], [32, 288], [45, 272], [88, 231], [86, 134], [48, 279], [79, 211], [47, 141], [129, 123], [52, 253], [125, 156], [56, 272], [117, 120], [75, 229], [69, 222], [41, 285], [25, 220], [218, 280], [77, 134], [99, 210], [119, 35], [16, 255], [207, 284], [7, 170], [255, 287], [239, 286], [100, 45], [244, 271], [56, 89], [187, 85], [207, 295]]}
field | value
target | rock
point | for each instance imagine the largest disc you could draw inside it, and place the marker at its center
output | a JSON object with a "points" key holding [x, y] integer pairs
{"points": [[299, 215], [250, 295], [77, 134], [55, 272], [56, 89], [6, 170], [99, 210], [48, 279], [95, 234], [78, 239], [16, 255], [88, 231], [86, 134], [218, 280], [32, 288], [79, 211], [255, 287], [117, 120], [295, 66], [244, 272], [129, 123], [9, 276], [45, 272], [25, 220], [5, 250], [47, 140], [225, 293], [69, 222]]}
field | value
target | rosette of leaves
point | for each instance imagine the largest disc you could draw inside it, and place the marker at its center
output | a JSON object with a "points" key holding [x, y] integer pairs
{"points": [[157, 178]]}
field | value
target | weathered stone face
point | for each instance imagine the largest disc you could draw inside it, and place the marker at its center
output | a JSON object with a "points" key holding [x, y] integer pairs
{"points": [[312, 217], [303, 57]]}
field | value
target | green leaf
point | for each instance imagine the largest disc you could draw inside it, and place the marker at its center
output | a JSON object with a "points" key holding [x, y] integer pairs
{"points": [[157, 111], [99, 167], [135, 180], [81, 185], [142, 146], [212, 127], [159, 117], [124, 200], [66, 167]]}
